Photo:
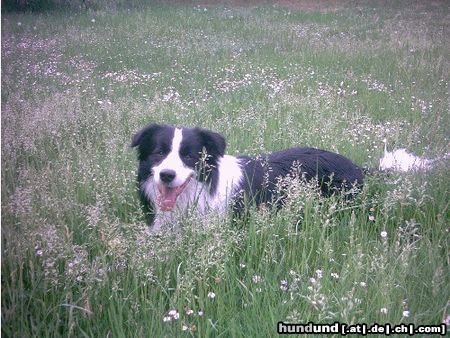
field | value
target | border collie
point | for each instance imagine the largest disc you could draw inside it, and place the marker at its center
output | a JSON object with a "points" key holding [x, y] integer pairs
{"points": [[183, 167]]}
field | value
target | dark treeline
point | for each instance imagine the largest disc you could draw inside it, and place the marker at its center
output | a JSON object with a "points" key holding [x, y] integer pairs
{"points": [[48, 5]]}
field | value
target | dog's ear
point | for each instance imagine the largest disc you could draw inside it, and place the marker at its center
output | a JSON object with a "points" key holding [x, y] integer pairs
{"points": [[213, 142], [144, 133], [144, 140]]}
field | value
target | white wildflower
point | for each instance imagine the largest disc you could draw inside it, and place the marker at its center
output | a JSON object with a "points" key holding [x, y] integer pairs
{"points": [[171, 315], [256, 279], [447, 320], [319, 274]]}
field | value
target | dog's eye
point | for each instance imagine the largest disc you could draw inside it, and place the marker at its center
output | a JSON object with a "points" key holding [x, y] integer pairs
{"points": [[188, 156]]}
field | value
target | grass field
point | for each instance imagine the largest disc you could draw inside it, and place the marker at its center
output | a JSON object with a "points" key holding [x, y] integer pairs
{"points": [[76, 85]]}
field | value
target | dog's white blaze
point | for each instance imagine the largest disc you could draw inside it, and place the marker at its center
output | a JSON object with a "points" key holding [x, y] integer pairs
{"points": [[174, 162]]}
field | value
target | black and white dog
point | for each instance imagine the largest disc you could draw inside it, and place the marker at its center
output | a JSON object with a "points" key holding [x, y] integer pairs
{"points": [[183, 167]]}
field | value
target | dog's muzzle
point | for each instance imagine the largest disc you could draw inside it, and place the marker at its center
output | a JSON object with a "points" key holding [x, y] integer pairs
{"points": [[168, 195]]}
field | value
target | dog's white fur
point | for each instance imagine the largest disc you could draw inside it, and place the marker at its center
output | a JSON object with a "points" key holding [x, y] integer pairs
{"points": [[402, 160]]}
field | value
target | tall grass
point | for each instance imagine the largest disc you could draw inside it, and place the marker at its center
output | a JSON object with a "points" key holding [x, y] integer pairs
{"points": [[76, 257]]}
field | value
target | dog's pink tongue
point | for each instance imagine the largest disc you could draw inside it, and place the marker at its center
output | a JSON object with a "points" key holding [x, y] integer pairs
{"points": [[167, 198]]}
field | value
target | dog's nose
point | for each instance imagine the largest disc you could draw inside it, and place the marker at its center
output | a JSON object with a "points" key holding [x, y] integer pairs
{"points": [[167, 175]]}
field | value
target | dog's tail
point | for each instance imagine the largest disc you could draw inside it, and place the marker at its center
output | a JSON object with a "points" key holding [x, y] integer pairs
{"points": [[401, 160]]}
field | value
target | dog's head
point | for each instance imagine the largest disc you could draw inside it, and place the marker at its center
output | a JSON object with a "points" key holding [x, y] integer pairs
{"points": [[173, 156]]}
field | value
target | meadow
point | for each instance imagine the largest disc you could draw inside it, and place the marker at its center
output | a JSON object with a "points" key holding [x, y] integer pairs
{"points": [[77, 260]]}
